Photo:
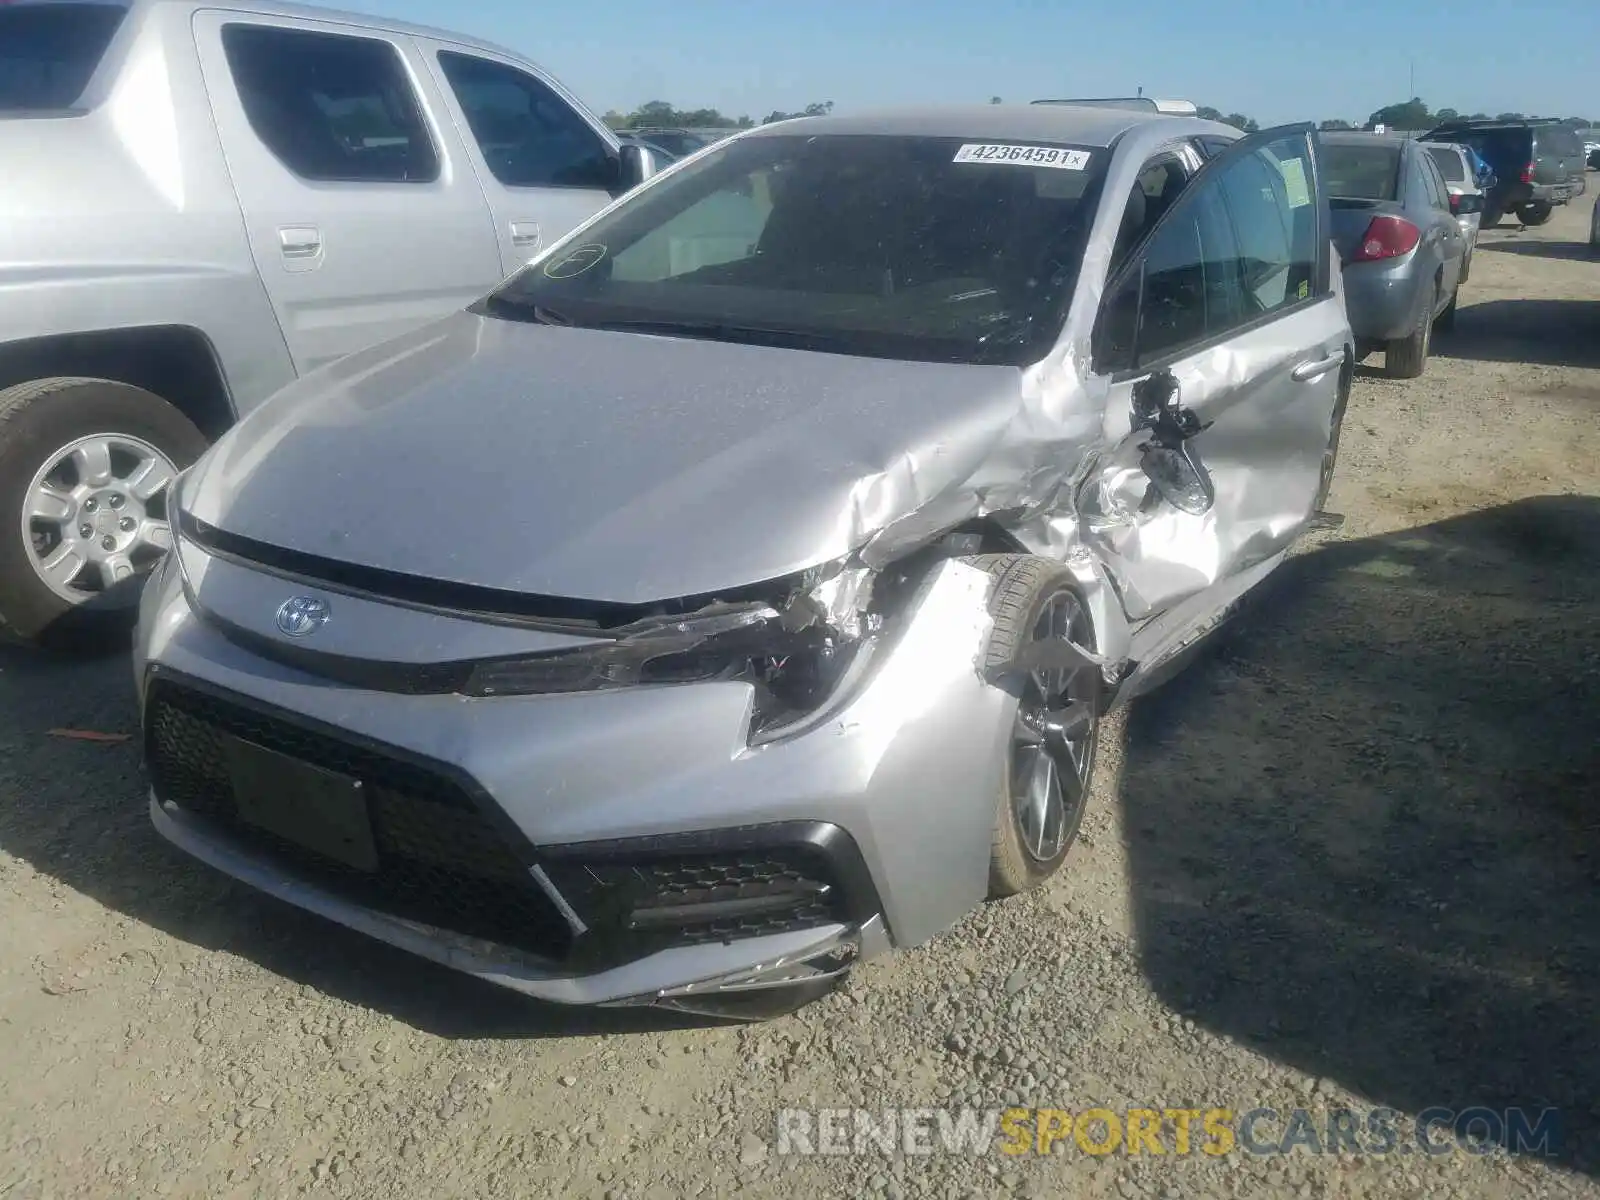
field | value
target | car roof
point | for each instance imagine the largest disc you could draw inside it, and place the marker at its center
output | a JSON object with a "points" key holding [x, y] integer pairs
{"points": [[310, 12], [1069, 123]]}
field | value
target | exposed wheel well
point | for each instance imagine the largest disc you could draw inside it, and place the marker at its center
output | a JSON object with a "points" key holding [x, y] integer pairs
{"points": [[175, 362]]}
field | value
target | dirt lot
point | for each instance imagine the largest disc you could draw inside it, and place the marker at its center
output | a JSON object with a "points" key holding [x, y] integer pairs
{"points": [[1351, 858]]}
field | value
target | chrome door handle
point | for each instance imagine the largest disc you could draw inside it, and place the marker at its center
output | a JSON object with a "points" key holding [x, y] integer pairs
{"points": [[1307, 371], [300, 241], [526, 235]]}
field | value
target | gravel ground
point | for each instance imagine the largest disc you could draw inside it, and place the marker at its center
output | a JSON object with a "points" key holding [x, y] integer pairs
{"points": [[1349, 859]]}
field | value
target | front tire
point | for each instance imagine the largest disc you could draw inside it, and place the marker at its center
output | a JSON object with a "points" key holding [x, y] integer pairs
{"points": [[1536, 213], [85, 467], [1044, 789]]}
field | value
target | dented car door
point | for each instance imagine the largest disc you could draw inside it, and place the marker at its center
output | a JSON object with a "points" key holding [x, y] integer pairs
{"points": [[1224, 343]]}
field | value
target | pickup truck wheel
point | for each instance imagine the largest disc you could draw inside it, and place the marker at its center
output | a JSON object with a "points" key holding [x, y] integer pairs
{"points": [[1536, 213], [85, 466], [1404, 358], [1044, 789]]}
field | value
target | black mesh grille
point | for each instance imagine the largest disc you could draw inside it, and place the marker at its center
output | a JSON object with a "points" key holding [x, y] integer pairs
{"points": [[440, 860], [645, 901]]}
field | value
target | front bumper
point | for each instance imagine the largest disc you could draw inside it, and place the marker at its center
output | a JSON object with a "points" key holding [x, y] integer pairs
{"points": [[905, 772]]}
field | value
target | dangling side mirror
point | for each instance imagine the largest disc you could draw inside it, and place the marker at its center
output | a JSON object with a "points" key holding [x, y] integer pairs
{"points": [[1180, 478]]}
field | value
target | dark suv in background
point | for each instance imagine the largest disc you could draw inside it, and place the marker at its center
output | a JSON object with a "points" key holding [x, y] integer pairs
{"points": [[1537, 164]]}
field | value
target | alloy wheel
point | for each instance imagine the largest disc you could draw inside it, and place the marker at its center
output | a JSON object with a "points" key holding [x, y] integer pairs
{"points": [[1052, 751]]}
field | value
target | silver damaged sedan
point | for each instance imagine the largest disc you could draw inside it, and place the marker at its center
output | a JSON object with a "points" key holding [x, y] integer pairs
{"points": [[736, 591]]}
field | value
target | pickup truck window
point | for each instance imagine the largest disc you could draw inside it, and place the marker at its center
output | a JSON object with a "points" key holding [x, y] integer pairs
{"points": [[529, 136], [49, 51], [332, 108]]}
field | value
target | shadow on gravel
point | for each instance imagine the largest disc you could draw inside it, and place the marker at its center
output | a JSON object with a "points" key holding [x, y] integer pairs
{"points": [[1365, 830], [1543, 248], [76, 811], [1556, 333]]}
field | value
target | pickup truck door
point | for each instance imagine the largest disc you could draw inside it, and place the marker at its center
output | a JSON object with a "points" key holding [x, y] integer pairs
{"points": [[545, 164], [363, 221], [1221, 340]]}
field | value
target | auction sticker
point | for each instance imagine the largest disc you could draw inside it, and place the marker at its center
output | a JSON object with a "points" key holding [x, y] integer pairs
{"points": [[1023, 156], [576, 261]]}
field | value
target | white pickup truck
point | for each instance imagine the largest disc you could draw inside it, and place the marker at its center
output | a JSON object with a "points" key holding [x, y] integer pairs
{"points": [[202, 202]]}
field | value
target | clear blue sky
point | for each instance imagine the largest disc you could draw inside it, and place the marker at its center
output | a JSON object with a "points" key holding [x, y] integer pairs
{"points": [[1276, 61]]}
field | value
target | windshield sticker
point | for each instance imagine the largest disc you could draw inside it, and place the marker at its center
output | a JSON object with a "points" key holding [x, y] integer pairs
{"points": [[576, 262], [1023, 156]]}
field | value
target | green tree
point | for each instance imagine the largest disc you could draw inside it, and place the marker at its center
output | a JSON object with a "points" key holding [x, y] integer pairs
{"points": [[1447, 114], [1335, 124], [996, 100], [1508, 116], [1237, 120], [811, 110], [1413, 114]]}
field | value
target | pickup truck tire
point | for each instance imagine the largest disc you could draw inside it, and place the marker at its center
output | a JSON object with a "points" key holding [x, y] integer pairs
{"points": [[1405, 358], [84, 471], [1536, 213]]}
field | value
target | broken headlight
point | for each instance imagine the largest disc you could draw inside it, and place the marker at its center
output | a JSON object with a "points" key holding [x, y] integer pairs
{"points": [[796, 651]]}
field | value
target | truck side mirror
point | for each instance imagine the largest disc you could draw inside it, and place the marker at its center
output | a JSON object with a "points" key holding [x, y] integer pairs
{"points": [[637, 163]]}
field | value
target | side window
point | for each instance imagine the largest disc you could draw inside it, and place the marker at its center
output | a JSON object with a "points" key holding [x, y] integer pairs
{"points": [[1437, 192], [1210, 146], [331, 108], [1152, 194], [1242, 245], [529, 136]]}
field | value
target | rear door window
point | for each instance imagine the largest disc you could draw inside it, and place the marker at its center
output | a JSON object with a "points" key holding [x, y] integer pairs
{"points": [[331, 107], [1448, 161], [529, 136], [49, 52]]}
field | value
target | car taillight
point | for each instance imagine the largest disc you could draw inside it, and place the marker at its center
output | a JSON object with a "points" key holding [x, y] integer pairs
{"points": [[1527, 173], [1455, 204], [1387, 237]]}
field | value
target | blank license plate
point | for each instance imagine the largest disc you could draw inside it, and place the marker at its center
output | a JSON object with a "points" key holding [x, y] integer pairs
{"points": [[322, 811]]}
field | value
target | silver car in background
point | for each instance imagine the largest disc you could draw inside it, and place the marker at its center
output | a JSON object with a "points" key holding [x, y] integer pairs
{"points": [[1455, 168], [1400, 242], [736, 591]]}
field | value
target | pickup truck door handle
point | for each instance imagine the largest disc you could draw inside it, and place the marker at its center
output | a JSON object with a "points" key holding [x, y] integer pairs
{"points": [[1307, 371], [300, 241], [525, 235]]}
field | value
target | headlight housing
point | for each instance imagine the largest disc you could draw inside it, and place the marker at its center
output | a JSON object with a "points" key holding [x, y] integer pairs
{"points": [[797, 651]]}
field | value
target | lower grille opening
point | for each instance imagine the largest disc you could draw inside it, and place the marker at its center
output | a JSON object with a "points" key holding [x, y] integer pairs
{"points": [[698, 889], [440, 860]]}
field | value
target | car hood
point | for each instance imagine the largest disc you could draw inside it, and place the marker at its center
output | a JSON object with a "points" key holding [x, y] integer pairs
{"points": [[610, 466]]}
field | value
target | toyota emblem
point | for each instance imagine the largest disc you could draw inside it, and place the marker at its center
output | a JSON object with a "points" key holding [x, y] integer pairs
{"points": [[302, 615]]}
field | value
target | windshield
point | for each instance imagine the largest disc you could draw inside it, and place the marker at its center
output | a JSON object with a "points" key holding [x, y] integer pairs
{"points": [[1449, 164], [894, 247], [49, 51], [1361, 172]]}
